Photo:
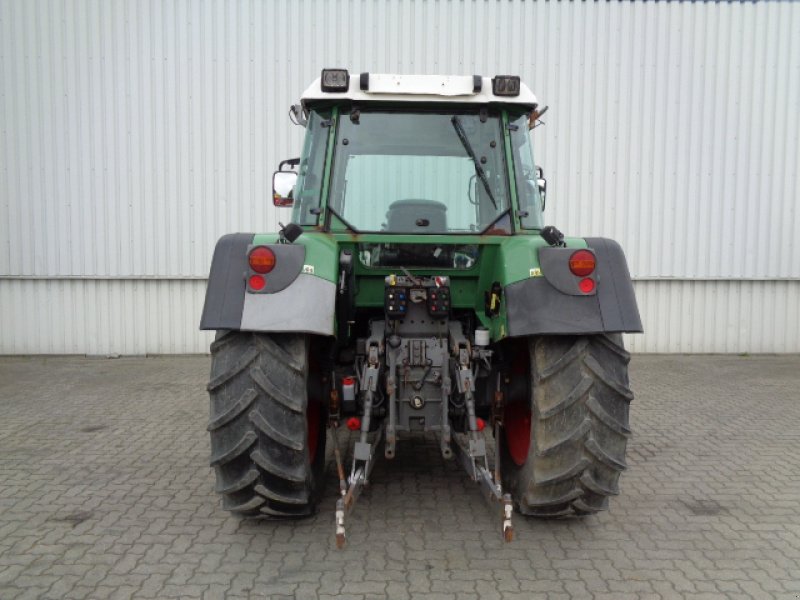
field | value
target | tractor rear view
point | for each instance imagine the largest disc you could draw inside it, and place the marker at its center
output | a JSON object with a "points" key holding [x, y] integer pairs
{"points": [[416, 289]]}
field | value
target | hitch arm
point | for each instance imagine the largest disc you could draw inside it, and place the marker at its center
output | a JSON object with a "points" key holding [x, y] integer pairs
{"points": [[363, 462], [472, 454]]}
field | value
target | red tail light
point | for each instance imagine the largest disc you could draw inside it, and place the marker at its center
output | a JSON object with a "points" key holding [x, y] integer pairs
{"points": [[257, 282], [586, 285], [261, 259], [582, 263]]}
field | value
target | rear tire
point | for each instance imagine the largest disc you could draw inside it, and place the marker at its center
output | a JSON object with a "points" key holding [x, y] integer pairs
{"points": [[563, 443], [267, 424]]}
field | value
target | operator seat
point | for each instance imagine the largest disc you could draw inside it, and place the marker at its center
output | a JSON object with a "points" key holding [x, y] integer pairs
{"points": [[416, 216]]}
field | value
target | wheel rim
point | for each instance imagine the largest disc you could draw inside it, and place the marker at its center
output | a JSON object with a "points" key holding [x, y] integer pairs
{"points": [[517, 414], [314, 405], [517, 427]]}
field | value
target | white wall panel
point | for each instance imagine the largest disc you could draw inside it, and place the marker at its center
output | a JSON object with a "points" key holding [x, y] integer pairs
{"points": [[134, 134], [102, 317], [713, 316]]}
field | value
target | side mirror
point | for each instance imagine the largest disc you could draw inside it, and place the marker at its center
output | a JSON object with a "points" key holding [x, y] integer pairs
{"points": [[283, 188], [541, 183]]}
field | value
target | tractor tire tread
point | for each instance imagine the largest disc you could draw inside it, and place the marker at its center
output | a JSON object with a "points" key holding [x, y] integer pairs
{"points": [[234, 410], [580, 406], [262, 380], [263, 425], [240, 484], [259, 433]]}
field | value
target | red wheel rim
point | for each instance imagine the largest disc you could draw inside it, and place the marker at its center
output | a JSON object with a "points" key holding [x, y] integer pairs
{"points": [[517, 414], [517, 426], [312, 421]]}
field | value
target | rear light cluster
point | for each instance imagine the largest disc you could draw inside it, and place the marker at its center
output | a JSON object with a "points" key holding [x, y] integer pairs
{"points": [[582, 264], [261, 260]]}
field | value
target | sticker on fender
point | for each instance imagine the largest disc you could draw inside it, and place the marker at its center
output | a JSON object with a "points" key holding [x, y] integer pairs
{"points": [[308, 269]]}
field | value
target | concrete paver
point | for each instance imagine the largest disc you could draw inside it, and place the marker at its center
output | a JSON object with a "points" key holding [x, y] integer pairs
{"points": [[105, 492]]}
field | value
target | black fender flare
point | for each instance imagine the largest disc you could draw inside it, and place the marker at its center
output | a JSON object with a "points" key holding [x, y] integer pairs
{"points": [[226, 283], [535, 307]]}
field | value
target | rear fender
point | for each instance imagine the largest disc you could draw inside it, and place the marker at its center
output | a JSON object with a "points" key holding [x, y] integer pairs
{"points": [[552, 304], [293, 299]]}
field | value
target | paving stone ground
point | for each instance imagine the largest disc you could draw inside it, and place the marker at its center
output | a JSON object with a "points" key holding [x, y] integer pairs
{"points": [[105, 492]]}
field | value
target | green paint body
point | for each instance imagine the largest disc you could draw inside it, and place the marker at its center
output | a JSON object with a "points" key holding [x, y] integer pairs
{"points": [[503, 259]]}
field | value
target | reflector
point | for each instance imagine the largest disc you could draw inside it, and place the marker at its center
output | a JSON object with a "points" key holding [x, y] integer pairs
{"points": [[586, 285], [257, 282]]}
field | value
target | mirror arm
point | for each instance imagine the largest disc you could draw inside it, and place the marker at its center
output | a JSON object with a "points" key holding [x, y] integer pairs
{"points": [[297, 115], [292, 162]]}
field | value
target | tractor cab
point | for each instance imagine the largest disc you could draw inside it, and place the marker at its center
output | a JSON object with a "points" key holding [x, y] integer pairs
{"points": [[411, 154]]}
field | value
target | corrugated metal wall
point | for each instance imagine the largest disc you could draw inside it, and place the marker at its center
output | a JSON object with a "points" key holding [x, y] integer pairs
{"points": [[134, 134]]}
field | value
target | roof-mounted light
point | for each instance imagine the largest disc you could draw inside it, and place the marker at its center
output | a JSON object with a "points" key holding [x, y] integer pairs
{"points": [[335, 80], [505, 85]]}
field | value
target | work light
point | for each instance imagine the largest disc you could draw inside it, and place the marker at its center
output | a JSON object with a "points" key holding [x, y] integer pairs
{"points": [[505, 85], [337, 80]]}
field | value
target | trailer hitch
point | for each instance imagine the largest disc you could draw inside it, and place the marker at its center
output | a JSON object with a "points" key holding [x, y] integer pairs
{"points": [[363, 451], [350, 489]]}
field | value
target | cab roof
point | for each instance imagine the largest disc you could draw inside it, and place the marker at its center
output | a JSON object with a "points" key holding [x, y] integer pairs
{"points": [[457, 89]]}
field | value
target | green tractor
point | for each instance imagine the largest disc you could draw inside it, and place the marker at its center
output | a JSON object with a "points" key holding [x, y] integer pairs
{"points": [[416, 289]]}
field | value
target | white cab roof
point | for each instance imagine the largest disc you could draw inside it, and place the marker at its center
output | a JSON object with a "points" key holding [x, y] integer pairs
{"points": [[419, 88]]}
